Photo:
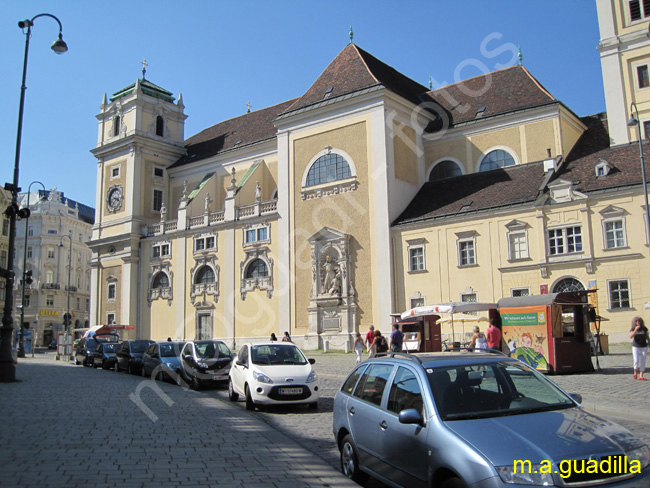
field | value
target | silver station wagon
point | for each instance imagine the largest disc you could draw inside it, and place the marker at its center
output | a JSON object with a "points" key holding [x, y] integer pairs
{"points": [[456, 420]]}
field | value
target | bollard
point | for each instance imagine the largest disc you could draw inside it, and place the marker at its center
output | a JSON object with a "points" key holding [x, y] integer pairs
{"points": [[326, 346], [347, 346]]}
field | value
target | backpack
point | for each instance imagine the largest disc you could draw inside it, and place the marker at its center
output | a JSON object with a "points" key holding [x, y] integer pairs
{"points": [[382, 345]]}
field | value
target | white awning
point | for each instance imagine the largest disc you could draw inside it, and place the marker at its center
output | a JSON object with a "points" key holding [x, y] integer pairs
{"points": [[449, 307]]}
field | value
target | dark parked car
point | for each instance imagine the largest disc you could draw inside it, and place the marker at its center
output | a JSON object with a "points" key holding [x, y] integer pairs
{"points": [[104, 355], [52, 344], [454, 420], [129, 355], [85, 348], [205, 362], [162, 360]]}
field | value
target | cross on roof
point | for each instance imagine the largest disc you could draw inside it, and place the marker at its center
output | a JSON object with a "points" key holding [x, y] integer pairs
{"points": [[144, 67], [248, 105]]}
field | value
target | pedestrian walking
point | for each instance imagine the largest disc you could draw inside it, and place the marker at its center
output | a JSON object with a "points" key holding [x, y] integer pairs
{"points": [[493, 336], [287, 337], [358, 346], [639, 336], [379, 344], [479, 343], [370, 337], [273, 337], [396, 339]]}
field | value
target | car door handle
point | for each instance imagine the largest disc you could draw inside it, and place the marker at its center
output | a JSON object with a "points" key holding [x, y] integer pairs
{"points": [[351, 410], [383, 425]]}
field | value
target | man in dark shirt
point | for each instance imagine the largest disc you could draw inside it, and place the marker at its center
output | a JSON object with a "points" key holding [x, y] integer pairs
{"points": [[396, 339]]}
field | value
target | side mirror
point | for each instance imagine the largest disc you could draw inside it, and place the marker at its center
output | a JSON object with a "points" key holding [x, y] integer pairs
{"points": [[239, 362], [311, 361], [410, 416], [576, 397]]}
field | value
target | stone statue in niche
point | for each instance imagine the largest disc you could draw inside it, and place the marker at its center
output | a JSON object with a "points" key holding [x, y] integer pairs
{"points": [[330, 270], [335, 288]]}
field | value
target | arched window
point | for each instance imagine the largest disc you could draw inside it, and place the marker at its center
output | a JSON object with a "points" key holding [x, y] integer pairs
{"points": [[116, 125], [204, 275], [49, 276], [160, 125], [329, 167], [568, 284], [161, 280], [445, 169], [257, 269], [496, 159]]}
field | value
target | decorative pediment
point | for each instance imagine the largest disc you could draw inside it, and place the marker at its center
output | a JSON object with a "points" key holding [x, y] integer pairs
{"points": [[515, 224], [563, 191], [611, 211]]}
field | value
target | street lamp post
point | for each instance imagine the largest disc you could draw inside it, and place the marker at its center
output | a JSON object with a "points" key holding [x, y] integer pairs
{"points": [[67, 317], [7, 367], [631, 123], [21, 336]]}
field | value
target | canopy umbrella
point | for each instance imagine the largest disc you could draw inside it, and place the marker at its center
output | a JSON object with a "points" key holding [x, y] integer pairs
{"points": [[450, 308]]}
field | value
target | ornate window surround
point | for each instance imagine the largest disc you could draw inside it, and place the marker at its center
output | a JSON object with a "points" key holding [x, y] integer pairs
{"points": [[333, 187], [161, 245], [412, 245], [261, 283], [204, 289], [255, 227], [164, 293], [204, 237], [111, 281], [611, 214]]}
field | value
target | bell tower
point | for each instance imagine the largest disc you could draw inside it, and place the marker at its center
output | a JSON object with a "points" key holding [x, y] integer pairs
{"points": [[141, 134]]}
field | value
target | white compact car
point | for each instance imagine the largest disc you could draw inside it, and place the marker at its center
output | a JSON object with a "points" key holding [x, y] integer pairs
{"points": [[273, 373]]}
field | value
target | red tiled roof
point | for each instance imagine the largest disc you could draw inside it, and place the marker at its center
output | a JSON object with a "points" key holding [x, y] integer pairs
{"points": [[496, 93], [233, 133], [353, 70]]}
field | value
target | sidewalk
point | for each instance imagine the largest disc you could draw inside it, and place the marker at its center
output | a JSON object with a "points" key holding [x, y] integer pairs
{"points": [[71, 426]]}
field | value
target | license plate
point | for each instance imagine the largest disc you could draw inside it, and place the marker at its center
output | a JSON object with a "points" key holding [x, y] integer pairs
{"points": [[290, 391], [216, 378]]}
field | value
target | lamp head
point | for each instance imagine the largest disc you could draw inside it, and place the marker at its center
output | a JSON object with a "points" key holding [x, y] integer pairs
{"points": [[59, 46], [632, 122]]}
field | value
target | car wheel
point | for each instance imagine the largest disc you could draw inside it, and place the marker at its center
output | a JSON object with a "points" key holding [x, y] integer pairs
{"points": [[103, 364], [350, 461], [250, 404], [232, 394], [87, 363], [94, 364], [313, 406], [195, 384], [453, 483]]}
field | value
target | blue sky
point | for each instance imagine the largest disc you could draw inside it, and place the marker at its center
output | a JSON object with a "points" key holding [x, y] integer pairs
{"points": [[221, 55]]}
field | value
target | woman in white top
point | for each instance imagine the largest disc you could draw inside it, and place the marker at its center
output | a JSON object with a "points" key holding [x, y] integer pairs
{"points": [[358, 346], [479, 342]]}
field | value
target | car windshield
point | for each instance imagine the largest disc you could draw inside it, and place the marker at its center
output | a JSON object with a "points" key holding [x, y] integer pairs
{"points": [[110, 347], [91, 344], [139, 346], [207, 350], [277, 354], [493, 390], [170, 350]]}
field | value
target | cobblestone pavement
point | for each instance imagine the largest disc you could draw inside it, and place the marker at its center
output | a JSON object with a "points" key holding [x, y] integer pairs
{"points": [[71, 426], [75, 426]]}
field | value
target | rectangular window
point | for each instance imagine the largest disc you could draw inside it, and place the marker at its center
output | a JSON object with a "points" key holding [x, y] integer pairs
{"points": [[466, 253], [29, 251], [614, 234], [158, 172], [157, 200], [110, 318], [78, 303], [204, 243], [27, 301], [87, 303], [619, 294], [115, 172], [52, 231], [111, 291], [3, 259], [417, 302], [159, 250], [567, 240], [520, 292], [251, 236], [30, 231], [642, 76], [199, 244], [416, 259], [49, 300], [256, 235], [3, 292], [639, 9], [50, 253], [518, 243], [5, 227]]}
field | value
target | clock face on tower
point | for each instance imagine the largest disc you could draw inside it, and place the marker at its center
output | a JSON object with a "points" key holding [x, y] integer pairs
{"points": [[114, 201]]}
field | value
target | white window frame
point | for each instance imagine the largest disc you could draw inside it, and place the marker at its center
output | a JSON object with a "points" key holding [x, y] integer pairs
{"points": [[416, 245], [153, 199], [510, 151], [514, 249], [635, 68], [49, 300], [109, 287], [154, 172], [112, 170], [49, 276], [50, 252], [609, 294], [110, 318], [255, 229], [525, 289], [160, 250], [466, 238], [644, 15], [30, 251], [564, 238], [205, 243]]}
